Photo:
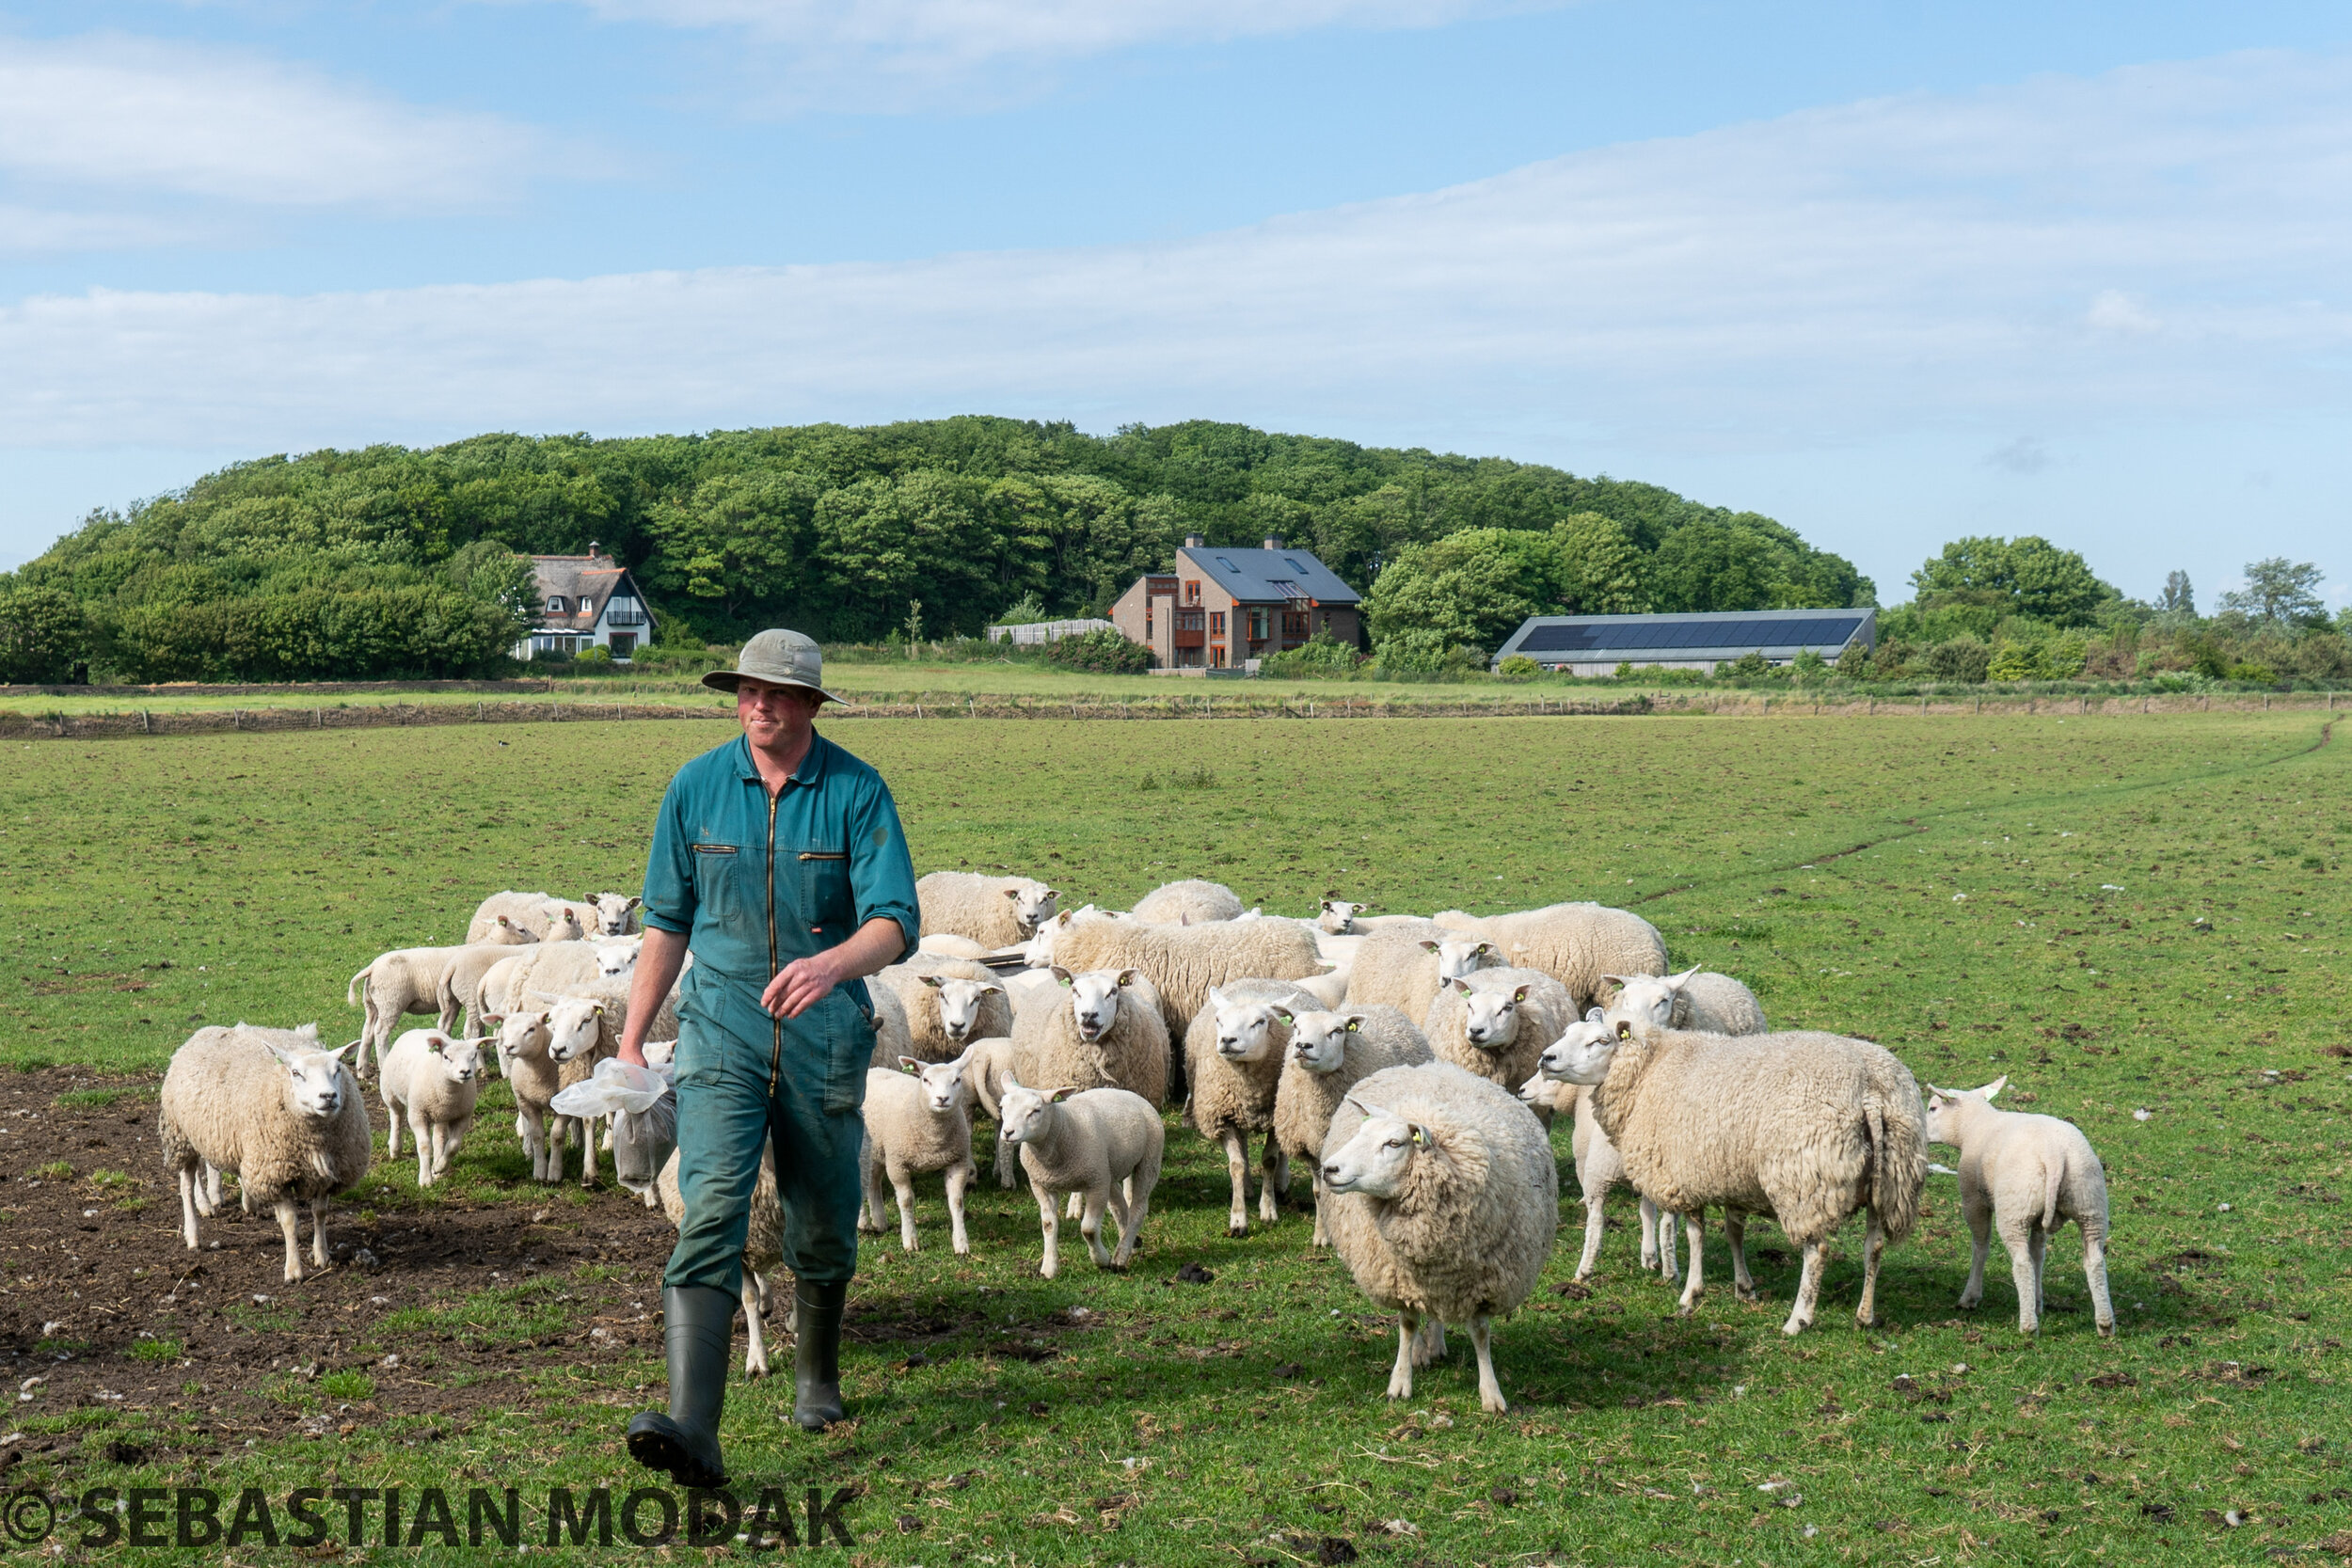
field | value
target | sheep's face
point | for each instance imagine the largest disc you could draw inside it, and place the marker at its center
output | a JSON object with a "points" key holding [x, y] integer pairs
{"points": [[1094, 999], [1583, 1054], [1338, 917], [460, 1059], [615, 959], [1027, 1115], [1375, 1162], [1246, 1031], [522, 1035], [1493, 1020], [574, 1026], [1319, 1040], [1032, 905], [614, 912], [314, 1081], [943, 1084], [659, 1052], [507, 934], [1458, 957], [1538, 1092], [564, 925], [1946, 1107], [1647, 999], [960, 1002]]}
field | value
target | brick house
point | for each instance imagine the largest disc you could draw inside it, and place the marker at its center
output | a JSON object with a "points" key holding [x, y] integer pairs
{"points": [[1219, 609], [586, 601]]}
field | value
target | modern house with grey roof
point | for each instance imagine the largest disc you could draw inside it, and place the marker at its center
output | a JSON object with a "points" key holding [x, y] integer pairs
{"points": [[1597, 644], [1223, 609], [586, 601]]}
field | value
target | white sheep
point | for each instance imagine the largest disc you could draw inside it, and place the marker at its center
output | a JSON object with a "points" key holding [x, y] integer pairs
{"points": [[536, 1048], [1577, 944], [270, 1107], [1102, 1147], [1694, 1000], [1598, 1166], [1330, 1053], [541, 916], [1188, 902], [1108, 1034], [613, 914], [1495, 1022], [407, 980], [763, 1247], [996, 911], [460, 989], [1337, 916], [1805, 1127], [985, 1064], [1234, 1054], [947, 1003], [947, 944], [917, 1120], [1183, 961], [1444, 1202], [1403, 966], [2024, 1176], [429, 1084]]}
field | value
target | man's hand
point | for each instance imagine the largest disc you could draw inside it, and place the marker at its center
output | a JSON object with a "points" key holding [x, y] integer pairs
{"points": [[804, 982], [659, 958]]}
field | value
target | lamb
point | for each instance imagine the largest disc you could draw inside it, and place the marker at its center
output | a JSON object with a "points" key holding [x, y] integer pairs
{"points": [[429, 1083], [1330, 1053], [1403, 966], [947, 944], [459, 992], [552, 968], [1802, 1126], [2024, 1175], [1337, 916], [917, 1121], [1102, 1147], [996, 911], [270, 1106], [503, 932], [1598, 1166], [1577, 944], [894, 1035], [406, 980], [1234, 1054], [1183, 961], [614, 914], [948, 1003], [1110, 1035], [537, 1047], [1444, 1203], [642, 1104], [1693, 1000], [1190, 902], [1496, 1022], [542, 916], [763, 1248], [985, 1064]]}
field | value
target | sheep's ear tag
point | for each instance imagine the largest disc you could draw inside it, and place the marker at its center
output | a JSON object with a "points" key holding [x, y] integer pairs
{"points": [[1011, 892], [1420, 1138], [1355, 1025], [1625, 1030]]}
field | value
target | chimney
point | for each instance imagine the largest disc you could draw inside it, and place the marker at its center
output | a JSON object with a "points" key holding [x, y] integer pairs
{"points": [[1274, 541], [1196, 541], [591, 549]]}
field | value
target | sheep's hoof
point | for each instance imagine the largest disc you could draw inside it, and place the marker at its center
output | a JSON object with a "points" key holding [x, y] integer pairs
{"points": [[1870, 1321], [1495, 1406], [2107, 1330], [1684, 1309], [1238, 1229], [1746, 1293]]}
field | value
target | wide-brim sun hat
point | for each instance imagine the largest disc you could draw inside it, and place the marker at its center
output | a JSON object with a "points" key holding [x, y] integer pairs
{"points": [[779, 657]]}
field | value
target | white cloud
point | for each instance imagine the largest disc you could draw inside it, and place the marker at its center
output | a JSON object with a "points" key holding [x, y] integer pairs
{"points": [[125, 115], [2114, 311], [1905, 264]]}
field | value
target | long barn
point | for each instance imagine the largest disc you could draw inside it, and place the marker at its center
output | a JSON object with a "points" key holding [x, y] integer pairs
{"points": [[1597, 644]]}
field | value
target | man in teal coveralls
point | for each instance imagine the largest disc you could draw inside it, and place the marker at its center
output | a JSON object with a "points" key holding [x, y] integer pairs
{"points": [[778, 861]]}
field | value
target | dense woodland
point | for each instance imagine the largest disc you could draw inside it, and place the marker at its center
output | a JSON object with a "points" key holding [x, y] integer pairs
{"points": [[388, 561]]}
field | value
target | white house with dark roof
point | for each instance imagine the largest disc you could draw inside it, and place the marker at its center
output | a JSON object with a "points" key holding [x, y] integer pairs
{"points": [[1222, 608], [586, 601]]}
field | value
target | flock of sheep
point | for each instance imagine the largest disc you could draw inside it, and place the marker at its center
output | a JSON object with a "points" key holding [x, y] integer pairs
{"points": [[1413, 1065]]}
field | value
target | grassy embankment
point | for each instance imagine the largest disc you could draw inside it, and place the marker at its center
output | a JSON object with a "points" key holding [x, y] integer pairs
{"points": [[2122, 914]]}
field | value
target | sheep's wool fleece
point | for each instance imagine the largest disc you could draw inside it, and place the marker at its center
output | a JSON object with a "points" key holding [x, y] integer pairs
{"points": [[966, 904], [1131, 1054], [902, 1133], [1805, 1127], [763, 1244], [1238, 1095], [1193, 899], [1304, 1101], [224, 1101], [528, 912], [1573, 943], [1543, 1018], [1470, 1232], [1391, 969], [1183, 961], [926, 1038]]}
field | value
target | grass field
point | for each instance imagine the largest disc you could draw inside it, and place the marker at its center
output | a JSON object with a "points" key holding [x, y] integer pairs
{"points": [[2123, 913]]}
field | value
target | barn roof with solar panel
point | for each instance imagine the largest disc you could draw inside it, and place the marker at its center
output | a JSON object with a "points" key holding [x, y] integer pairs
{"points": [[1597, 644]]}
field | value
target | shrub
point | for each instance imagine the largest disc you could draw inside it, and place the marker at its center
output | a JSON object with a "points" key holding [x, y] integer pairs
{"points": [[1518, 667], [1661, 674], [1746, 667], [1026, 611], [1854, 662], [1322, 655], [1893, 658], [2261, 673], [594, 654], [1102, 651], [2011, 661], [42, 635], [1960, 658], [1809, 665]]}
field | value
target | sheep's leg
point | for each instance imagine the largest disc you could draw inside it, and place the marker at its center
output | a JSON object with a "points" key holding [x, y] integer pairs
{"points": [[1429, 1344], [2095, 1275], [208, 1191], [189, 1187], [1092, 1206], [1130, 1222], [1489, 1390], [587, 1152], [1323, 1232], [958, 1180], [393, 1117], [2021, 1274], [1592, 1226], [1736, 1237], [286, 1222], [902, 1185], [1401, 1375], [456, 1133], [1274, 1179], [608, 1123], [318, 1231], [2038, 1241], [1694, 1228], [1238, 1167], [754, 1343], [1981, 1234], [1008, 1162], [424, 1152], [1873, 1249], [1049, 1216], [1808, 1288], [869, 1214], [1077, 1205]]}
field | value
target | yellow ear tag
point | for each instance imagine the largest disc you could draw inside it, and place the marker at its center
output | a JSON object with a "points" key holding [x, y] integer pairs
{"points": [[1625, 1030], [1420, 1139]]}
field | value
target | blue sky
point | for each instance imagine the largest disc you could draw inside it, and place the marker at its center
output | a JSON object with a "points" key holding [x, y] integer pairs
{"points": [[1889, 274]]}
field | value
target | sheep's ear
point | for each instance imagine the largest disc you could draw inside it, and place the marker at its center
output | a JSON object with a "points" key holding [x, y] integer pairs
{"points": [[599, 1009], [909, 1064], [1011, 1082], [493, 1019], [1061, 1094], [1936, 1097], [1616, 980], [341, 1051], [1327, 906], [1520, 995], [1625, 1029], [1062, 976], [1356, 1022], [930, 980], [1428, 944], [546, 1018], [1011, 892], [1482, 949], [631, 904], [1129, 977], [1366, 1111], [1217, 997], [1594, 1015], [1284, 1017], [1420, 1135], [1995, 1086], [437, 1043], [1678, 981], [987, 986], [309, 1031], [1462, 986]]}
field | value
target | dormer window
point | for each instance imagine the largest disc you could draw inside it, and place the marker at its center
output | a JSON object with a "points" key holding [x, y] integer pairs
{"points": [[555, 603]]}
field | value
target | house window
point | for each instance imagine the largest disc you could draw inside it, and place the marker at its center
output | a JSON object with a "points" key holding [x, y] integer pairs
{"points": [[555, 603], [1295, 626], [1192, 592], [1216, 623], [1258, 620], [624, 643], [625, 611], [1216, 655]]}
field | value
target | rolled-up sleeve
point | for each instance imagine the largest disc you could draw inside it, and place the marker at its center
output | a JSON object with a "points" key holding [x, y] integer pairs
{"points": [[670, 897], [881, 871]]}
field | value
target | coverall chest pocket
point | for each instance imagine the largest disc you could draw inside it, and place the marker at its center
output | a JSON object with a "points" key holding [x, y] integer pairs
{"points": [[825, 888], [723, 874]]}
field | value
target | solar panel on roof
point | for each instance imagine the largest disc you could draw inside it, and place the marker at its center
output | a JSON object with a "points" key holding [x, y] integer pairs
{"points": [[1630, 637], [1227, 564]]}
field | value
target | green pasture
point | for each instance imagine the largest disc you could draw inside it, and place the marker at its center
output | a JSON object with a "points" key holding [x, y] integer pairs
{"points": [[2123, 913]]}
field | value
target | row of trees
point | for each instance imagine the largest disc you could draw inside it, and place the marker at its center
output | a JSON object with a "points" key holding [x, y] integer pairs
{"points": [[377, 561]]}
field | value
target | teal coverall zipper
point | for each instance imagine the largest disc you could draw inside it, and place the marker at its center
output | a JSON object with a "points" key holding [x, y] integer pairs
{"points": [[775, 1057]]}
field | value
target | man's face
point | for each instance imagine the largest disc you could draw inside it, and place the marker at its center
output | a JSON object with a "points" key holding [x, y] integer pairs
{"points": [[774, 716]]}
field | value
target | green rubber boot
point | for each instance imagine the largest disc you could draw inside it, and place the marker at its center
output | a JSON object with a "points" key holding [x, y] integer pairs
{"points": [[817, 1352], [698, 1328]]}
